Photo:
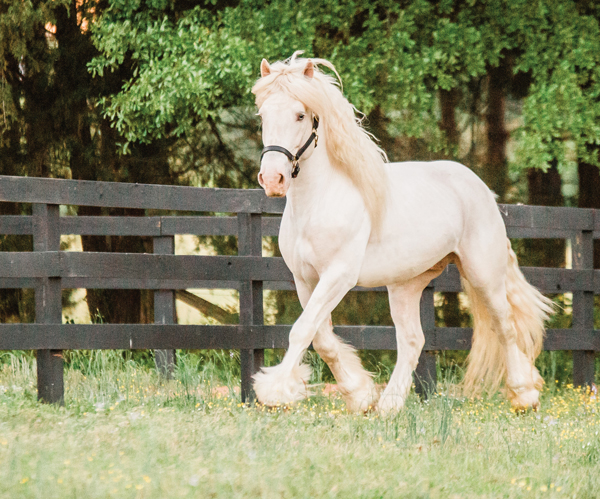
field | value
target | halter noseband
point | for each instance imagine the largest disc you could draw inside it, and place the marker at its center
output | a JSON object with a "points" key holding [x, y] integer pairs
{"points": [[301, 151]]}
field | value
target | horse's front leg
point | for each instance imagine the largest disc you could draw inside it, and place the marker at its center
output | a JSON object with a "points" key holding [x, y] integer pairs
{"points": [[354, 382], [288, 382]]}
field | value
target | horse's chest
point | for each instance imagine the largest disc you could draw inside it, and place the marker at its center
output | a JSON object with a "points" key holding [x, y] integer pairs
{"points": [[299, 249], [308, 249]]}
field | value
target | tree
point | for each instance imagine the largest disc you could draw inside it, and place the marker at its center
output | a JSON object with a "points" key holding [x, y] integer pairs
{"points": [[159, 91], [52, 127], [190, 64]]}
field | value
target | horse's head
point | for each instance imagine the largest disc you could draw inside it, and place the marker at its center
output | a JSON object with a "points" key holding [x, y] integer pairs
{"points": [[286, 128]]}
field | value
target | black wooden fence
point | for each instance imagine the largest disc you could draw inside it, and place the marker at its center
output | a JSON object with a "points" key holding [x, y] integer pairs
{"points": [[49, 270]]}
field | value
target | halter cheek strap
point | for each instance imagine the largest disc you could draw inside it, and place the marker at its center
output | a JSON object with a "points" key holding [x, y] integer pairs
{"points": [[295, 158]]}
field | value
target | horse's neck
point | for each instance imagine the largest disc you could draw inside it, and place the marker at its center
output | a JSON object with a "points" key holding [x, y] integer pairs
{"points": [[315, 177]]}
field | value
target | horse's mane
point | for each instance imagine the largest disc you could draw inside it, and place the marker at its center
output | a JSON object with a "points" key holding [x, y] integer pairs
{"points": [[351, 148]]}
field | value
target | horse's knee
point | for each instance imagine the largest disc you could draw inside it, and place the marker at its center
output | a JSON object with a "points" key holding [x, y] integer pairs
{"points": [[326, 346], [302, 332], [410, 341], [416, 341]]}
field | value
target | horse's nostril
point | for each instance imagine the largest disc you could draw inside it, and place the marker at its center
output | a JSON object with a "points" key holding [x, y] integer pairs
{"points": [[280, 179], [260, 179]]}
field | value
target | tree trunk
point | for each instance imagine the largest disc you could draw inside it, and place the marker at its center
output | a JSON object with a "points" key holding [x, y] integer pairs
{"points": [[495, 171], [589, 196], [545, 190], [451, 312], [448, 104]]}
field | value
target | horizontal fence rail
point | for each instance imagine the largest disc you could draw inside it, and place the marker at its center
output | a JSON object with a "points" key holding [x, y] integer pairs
{"points": [[141, 196], [177, 336], [248, 215], [150, 271]]}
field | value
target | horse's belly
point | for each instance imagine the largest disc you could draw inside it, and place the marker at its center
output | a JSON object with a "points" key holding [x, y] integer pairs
{"points": [[424, 223], [410, 248], [383, 266]]}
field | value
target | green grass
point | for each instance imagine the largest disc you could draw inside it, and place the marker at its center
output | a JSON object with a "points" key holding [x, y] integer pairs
{"points": [[126, 433]]}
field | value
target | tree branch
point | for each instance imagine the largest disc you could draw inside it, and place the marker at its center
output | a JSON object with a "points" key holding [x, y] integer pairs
{"points": [[206, 308]]}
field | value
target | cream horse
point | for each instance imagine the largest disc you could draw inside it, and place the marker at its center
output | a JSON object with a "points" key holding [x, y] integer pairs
{"points": [[352, 219]]}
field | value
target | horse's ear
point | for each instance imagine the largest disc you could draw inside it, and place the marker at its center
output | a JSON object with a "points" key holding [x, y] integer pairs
{"points": [[265, 69], [309, 70]]}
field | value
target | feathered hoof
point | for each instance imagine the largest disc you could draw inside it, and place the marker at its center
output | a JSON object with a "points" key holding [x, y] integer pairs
{"points": [[523, 399], [363, 399], [390, 404], [274, 388]]}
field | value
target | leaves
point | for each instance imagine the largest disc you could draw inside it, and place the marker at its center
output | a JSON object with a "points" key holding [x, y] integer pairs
{"points": [[192, 64]]}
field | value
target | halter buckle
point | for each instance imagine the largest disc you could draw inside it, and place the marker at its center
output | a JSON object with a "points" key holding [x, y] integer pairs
{"points": [[295, 167]]}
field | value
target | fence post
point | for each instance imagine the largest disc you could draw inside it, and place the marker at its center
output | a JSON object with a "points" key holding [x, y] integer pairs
{"points": [[251, 298], [48, 304], [583, 308], [425, 375], [165, 311]]}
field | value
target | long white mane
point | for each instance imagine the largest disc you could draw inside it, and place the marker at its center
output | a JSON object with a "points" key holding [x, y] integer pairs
{"points": [[350, 147]]}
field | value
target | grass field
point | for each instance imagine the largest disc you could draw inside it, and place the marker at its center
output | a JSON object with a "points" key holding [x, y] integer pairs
{"points": [[125, 433]]}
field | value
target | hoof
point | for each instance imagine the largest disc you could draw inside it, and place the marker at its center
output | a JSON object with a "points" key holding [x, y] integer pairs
{"points": [[363, 399], [274, 388], [390, 404], [523, 399]]}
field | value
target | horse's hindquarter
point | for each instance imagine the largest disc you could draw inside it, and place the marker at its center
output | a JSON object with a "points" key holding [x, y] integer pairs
{"points": [[433, 206]]}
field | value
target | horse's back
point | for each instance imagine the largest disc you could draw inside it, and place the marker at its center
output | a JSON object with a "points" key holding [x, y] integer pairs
{"points": [[447, 189], [440, 174]]}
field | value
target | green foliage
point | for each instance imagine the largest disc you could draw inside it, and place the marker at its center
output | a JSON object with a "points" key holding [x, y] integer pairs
{"points": [[22, 40], [190, 64], [561, 50], [184, 70], [163, 69]]}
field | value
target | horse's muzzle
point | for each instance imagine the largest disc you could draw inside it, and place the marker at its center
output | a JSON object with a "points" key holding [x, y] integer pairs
{"points": [[273, 182]]}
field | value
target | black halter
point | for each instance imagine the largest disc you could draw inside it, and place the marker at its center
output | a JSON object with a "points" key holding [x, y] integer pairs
{"points": [[301, 151]]}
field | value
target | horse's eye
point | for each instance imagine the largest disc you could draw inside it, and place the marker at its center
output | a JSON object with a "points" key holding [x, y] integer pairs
{"points": [[300, 116]]}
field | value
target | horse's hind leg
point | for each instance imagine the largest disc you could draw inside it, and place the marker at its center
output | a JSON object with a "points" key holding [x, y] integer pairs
{"points": [[508, 324], [495, 354], [354, 382], [404, 305]]}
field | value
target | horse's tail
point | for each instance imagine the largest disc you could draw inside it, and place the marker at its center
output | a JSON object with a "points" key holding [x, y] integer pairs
{"points": [[528, 310]]}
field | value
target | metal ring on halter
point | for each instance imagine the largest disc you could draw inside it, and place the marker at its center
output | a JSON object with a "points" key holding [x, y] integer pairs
{"points": [[295, 158]]}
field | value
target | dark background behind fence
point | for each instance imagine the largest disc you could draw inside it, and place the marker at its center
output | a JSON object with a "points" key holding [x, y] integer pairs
{"points": [[48, 271]]}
